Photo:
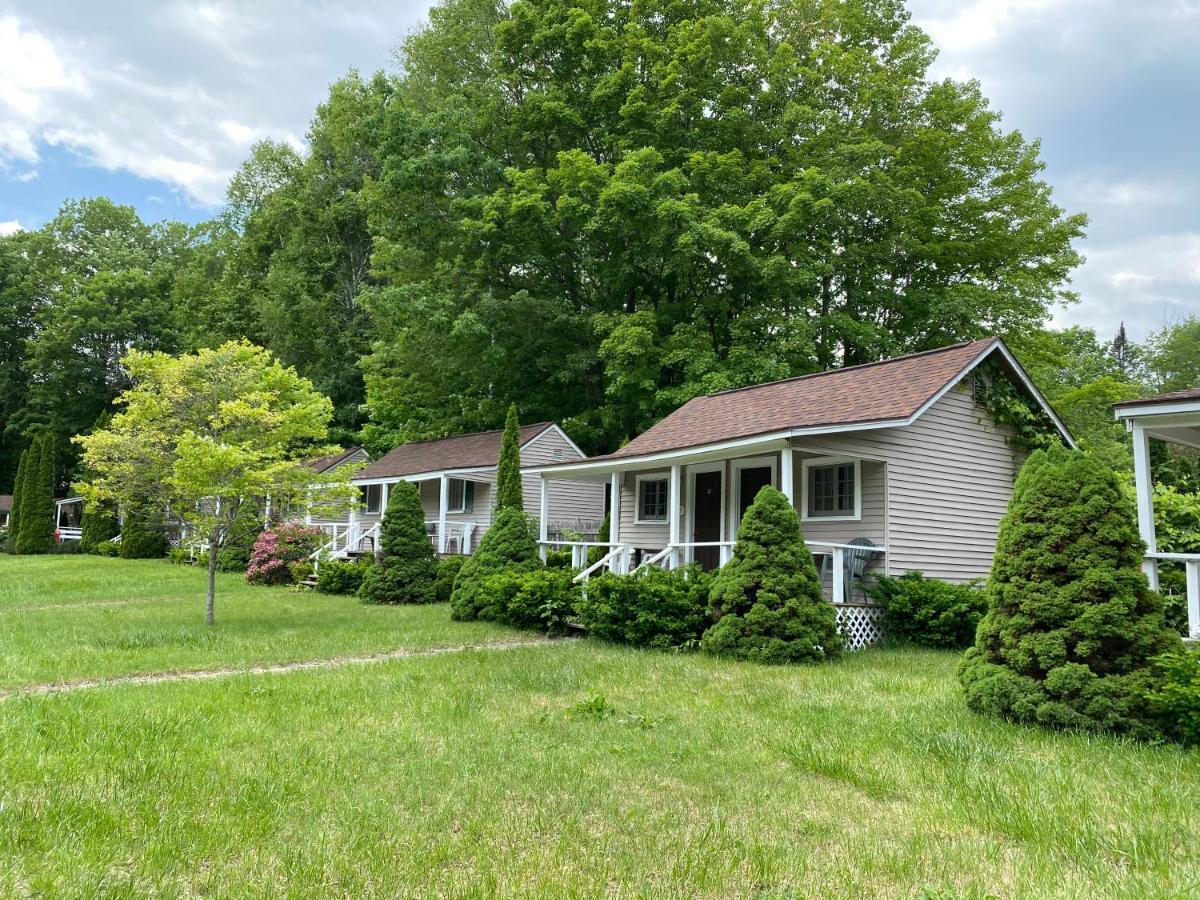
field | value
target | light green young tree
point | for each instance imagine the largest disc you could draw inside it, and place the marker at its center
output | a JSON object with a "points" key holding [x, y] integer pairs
{"points": [[201, 434]]}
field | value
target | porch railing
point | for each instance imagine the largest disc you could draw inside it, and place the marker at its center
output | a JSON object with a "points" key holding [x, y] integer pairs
{"points": [[69, 534], [1191, 568], [345, 539]]}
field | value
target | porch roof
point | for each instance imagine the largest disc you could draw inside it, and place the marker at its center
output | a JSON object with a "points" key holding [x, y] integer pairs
{"points": [[480, 450], [1172, 417], [885, 394]]}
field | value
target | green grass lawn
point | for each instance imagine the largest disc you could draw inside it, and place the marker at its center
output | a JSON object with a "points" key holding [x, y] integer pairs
{"points": [[74, 617], [576, 769]]}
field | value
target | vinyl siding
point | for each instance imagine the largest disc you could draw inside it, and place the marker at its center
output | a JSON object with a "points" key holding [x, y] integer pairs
{"points": [[649, 535], [576, 506], [949, 477]]}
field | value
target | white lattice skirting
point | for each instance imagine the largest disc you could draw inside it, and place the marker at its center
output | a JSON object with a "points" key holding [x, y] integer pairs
{"points": [[861, 624]]}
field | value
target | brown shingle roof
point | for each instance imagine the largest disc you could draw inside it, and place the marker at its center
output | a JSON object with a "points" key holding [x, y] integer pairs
{"points": [[1172, 397], [883, 391], [325, 463], [467, 451]]}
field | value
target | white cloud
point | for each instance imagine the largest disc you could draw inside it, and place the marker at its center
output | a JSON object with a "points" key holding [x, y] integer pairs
{"points": [[11, 227], [176, 91]]}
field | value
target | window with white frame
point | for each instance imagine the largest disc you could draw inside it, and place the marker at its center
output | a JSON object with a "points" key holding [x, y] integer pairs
{"points": [[832, 489], [460, 495], [372, 498], [651, 498]]}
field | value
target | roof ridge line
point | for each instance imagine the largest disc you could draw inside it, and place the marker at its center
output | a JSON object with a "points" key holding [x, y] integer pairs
{"points": [[856, 367]]}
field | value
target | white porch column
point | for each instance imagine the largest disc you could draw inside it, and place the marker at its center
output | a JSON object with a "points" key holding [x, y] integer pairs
{"points": [[351, 527], [544, 518], [1144, 486], [614, 518], [1192, 567], [787, 481], [674, 501], [385, 494], [443, 506]]}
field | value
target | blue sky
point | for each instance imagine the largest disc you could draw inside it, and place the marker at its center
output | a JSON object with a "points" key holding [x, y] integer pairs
{"points": [[156, 103]]}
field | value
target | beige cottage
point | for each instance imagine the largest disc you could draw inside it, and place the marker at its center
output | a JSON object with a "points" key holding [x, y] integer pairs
{"points": [[457, 480], [892, 467]]}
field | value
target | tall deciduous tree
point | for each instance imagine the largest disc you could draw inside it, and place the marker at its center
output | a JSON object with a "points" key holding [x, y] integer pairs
{"points": [[202, 434], [508, 469], [605, 208]]}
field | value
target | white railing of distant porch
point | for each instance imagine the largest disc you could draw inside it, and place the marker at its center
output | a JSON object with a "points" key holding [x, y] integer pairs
{"points": [[344, 540], [1191, 569], [69, 534]]}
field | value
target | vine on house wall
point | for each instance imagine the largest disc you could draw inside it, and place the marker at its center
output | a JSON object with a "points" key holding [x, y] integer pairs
{"points": [[1010, 405]]}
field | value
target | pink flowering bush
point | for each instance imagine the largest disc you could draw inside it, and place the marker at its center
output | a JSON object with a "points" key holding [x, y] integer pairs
{"points": [[277, 549]]}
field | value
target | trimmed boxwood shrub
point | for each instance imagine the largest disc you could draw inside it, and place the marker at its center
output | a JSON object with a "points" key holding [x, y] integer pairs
{"points": [[278, 549], [1175, 702], [337, 576], [507, 546], [447, 572], [407, 569], [767, 600], [652, 608], [1071, 624], [543, 599], [928, 612], [143, 536]]}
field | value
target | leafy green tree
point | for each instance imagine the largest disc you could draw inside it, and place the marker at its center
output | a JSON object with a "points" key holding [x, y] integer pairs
{"points": [[21, 485], [605, 210], [1173, 356], [247, 525], [767, 600], [204, 433], [508, 469], [1071, 625], [407, 570], [507, 546], [16, 328], [36, 531]]}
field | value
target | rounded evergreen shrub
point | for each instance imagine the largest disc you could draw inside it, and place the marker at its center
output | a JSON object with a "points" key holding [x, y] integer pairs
{"points": [[543, 599], [1071, 624], [447, 572], [507, 546], [767, 600], [143, 536], [927, 612], [652, 608], [1175, 701], [341, 577], [406, 571]]}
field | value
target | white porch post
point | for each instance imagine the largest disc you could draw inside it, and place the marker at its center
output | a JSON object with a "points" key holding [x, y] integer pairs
{"points": [[787, 481], [544, 518], [351, 527], [674, 499], [1144, 487], [443, 506], [385, 492], [614, 518]]}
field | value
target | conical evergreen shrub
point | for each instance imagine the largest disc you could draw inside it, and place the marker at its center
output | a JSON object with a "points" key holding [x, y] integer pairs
{"points": [[100, 526], [18, 499], [143, 535], [508, 546], [406, 572], [509, 492], [1071, 622], [36, 530], [767, 600]]}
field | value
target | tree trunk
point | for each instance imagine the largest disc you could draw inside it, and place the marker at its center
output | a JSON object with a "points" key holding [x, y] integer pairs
{"points": [[209, 617]]}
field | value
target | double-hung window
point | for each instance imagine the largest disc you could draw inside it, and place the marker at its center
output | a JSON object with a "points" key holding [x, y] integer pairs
{"points": [[372, 498], [651, 498], [832, 489], [460, 495]]}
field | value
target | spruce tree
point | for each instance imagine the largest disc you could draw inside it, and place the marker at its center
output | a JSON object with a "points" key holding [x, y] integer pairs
{"points": [[767, 600], [406, 571], [36, 532], [508, 546], [1071, 623], [508, 469], [18, 498]]}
